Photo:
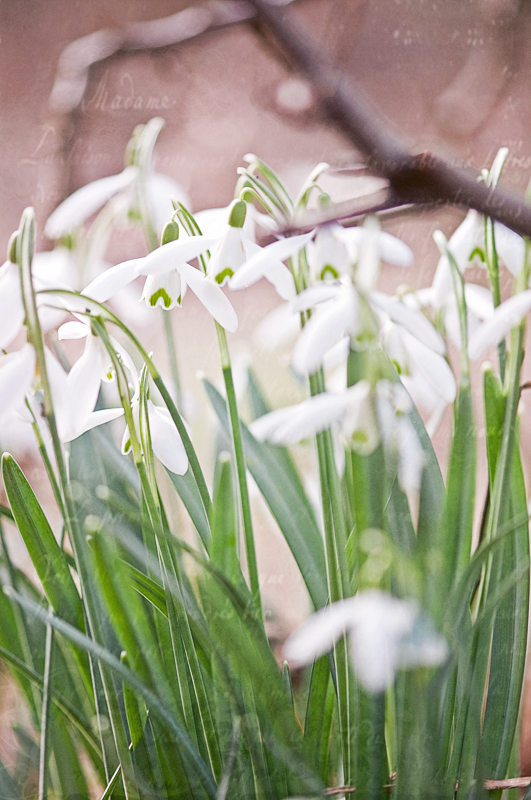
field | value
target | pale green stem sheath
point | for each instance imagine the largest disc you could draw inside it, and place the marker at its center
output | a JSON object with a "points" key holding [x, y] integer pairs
{"points": [[45, 716], [25, 249], [491, 255], [241, 468]]}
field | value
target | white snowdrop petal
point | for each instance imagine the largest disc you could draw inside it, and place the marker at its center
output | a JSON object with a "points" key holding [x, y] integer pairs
{"points": [[324, 329], [82, 204], [433, 367], [73, 330], [211, 296], [465, 238], [172, 254], [315, 295], [510, 247], [282, 279], [394, 250], [290, 425], [505, 317], [381, 623], [167, 444], [17, 371], [479, 300], [112, 280], [277, 328], [83, 384], [11, 306], [256, 267], [319, 633], [410, 456], [411, 319], [99, 418], [57, 378]]}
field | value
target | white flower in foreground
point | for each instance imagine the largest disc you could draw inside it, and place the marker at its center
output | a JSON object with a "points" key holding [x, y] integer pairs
{"points": [[506, 316], [385, 634]]}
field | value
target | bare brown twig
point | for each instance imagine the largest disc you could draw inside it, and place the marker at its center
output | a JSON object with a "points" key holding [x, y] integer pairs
{"points": [[419, 179]]}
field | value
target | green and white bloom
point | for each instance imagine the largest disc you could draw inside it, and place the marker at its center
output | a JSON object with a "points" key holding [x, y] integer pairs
{"points": [[385, 634]]}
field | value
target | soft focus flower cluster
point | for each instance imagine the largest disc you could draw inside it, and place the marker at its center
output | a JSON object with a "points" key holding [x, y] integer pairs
{"points": [[328, 279]]}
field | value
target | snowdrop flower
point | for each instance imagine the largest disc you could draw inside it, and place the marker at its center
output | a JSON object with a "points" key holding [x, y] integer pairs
{"points": [[170, 262], [335, 249], [385, 634], [352, 407], [74, 394], [505, 317], [398, 434], [465, 239], [83, 203], [413, 358], [165, 440]]}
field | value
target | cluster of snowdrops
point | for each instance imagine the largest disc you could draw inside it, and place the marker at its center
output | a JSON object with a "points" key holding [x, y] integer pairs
{"points": [[371, 360]]}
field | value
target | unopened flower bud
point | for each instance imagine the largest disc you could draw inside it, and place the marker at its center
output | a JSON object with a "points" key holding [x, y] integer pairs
{"points": [[170, 232], [237, 214], [12, 247]]}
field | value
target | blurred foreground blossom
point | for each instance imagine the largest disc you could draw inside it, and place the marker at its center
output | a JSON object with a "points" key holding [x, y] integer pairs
{"points": [[385, 634], [365, 420]]}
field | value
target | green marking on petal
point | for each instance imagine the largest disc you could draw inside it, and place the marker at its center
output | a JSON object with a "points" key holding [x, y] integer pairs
{"points": [[477, 251], [329, 270], [227, 273], [162, 294]]}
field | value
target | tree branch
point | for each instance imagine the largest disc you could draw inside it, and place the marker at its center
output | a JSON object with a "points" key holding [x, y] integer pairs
{"points": [[414, 178]]}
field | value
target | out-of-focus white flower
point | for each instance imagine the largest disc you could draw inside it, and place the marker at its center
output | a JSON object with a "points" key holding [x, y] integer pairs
{"points": [[294, 423], [465, 239], [365, 420], [385, 634], [83, 203], [505, 317], [17, 373], [11, 305]]}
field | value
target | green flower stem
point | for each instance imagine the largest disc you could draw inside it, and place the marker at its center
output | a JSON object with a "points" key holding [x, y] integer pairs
{"points": [[172, 353], [25, 249], [47, 464], [45, 716], [241, 468]]}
